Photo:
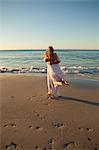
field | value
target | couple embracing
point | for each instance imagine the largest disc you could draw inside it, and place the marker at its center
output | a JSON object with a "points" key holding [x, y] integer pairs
{"points": [[55, 76]]}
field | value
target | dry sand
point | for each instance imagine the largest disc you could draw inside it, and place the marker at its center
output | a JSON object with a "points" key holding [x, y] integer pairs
{"points": [[31, 121]]}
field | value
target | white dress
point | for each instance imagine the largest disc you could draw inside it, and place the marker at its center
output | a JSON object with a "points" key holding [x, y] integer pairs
{"points": [[54, 74]]}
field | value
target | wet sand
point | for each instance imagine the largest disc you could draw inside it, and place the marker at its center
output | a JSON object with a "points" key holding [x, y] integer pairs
{"points": [[31, 121]]}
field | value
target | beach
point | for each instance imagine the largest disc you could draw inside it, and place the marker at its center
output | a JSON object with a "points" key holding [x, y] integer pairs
{"points": [[45, 44], [31, 121]]}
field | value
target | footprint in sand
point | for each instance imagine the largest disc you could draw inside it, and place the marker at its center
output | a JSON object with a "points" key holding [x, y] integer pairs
{"points": [[12, 96], [89, 129], [70, 145], [11, 146], [12, 125], [30, 126], [89, 139], [50, 141], [38, 128], [6, 125], [80, 129], [38, 115], [96, 147], [57, 124], [36, 147]]}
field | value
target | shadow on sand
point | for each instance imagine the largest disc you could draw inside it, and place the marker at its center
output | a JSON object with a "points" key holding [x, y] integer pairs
{"points": [[92, 102]]}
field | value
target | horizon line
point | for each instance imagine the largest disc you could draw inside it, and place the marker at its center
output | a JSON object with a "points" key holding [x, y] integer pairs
{"points": [[45, 49]]}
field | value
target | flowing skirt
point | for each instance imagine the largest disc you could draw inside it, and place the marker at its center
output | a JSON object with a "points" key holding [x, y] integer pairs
{"points": [[54, 74]]}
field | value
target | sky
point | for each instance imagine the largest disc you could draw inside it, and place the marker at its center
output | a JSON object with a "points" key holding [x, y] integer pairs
{"points": [[37, 24]]}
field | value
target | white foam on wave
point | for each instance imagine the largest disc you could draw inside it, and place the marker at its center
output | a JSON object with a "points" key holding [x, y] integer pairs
{"points": [[4, 69], [65, 69]]}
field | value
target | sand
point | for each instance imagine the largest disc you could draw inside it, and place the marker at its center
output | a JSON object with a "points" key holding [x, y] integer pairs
{"points": [[31, 121]]}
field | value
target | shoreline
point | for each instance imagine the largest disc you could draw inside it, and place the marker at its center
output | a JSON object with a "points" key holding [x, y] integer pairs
{"points": [[74, 71], [29, 120], [69, 77]]}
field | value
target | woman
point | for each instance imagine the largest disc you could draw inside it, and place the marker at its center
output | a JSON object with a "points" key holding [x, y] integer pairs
{"points": [[55, 76]]}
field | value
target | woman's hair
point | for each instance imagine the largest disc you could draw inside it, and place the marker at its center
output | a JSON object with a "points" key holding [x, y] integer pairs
{"points": [[51, 49]]}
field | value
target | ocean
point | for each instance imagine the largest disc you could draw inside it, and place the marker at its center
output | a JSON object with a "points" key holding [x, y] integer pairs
{"points": [[73, 62]]}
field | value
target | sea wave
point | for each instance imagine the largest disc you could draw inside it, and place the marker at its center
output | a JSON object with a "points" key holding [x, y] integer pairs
{"points": [[65, 69]]}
